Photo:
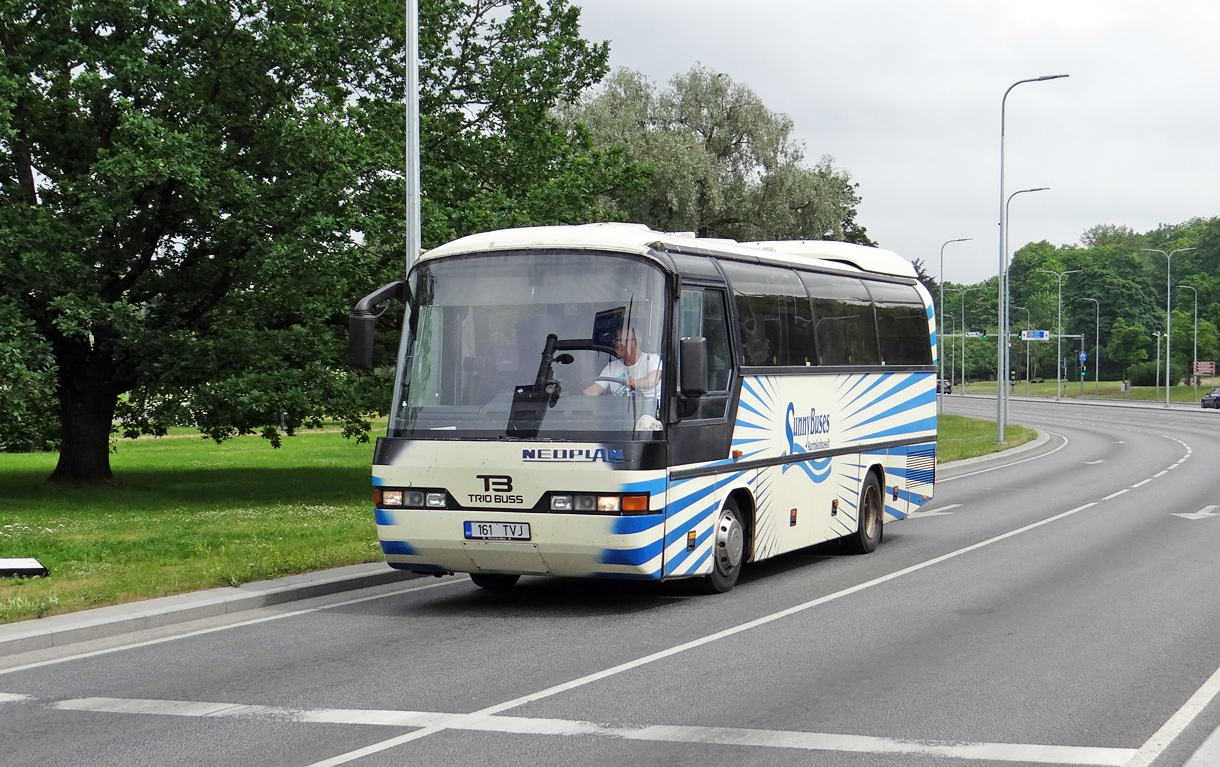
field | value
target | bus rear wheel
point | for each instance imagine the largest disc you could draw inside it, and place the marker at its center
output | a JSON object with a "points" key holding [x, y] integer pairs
{"points": [[494, 581], [869, 518], [728, 550]]}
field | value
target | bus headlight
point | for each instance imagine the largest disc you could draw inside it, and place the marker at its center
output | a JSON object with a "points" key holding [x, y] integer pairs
{"points": [[634, 503], [436, 500], [561, 503]]}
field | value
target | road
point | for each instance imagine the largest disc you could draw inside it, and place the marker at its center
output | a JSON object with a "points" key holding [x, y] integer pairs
{"points": [[1056, 606]]}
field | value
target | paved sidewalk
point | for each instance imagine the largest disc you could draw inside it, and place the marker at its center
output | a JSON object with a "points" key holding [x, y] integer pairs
{"points": [[58, 630]]}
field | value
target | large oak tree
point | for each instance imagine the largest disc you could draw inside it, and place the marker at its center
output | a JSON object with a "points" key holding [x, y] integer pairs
{"points": [[192, 195]]}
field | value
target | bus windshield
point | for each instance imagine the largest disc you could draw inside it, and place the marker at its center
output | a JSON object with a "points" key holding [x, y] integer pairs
{"points": [[533, 345]]}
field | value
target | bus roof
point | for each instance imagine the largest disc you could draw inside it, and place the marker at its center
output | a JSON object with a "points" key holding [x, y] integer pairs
{"points": [[639, 239]]}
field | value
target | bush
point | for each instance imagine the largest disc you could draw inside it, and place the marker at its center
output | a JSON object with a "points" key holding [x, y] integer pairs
{"points": [[1144, 374]]}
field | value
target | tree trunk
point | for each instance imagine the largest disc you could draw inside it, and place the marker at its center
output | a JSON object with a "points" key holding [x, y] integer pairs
{"points": [[87, 399]]}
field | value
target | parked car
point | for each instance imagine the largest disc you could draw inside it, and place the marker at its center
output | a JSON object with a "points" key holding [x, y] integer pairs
{"points": [[945, 386], [1212, 399]]}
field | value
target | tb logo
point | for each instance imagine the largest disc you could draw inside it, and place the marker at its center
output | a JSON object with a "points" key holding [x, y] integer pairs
{"points": [[499, 483]]}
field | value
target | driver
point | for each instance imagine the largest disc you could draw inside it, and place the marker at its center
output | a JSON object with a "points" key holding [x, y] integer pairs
{"points": [[635, 370]]}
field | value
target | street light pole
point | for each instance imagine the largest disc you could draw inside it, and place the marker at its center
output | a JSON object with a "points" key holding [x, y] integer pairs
{"points": [[964, 291], [940, 356], [1004, 364], [1194, 371], [1168, 315], [1059, 339], [1028, 326], [1001, 354], [1096, 345], [413, 215]]}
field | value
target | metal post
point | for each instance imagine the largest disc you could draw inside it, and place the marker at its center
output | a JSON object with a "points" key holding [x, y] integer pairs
{"points": [[1194, 371], [964, 291], [1168, 315], [1001, 353], [1059, 334], [1028, 327], [1157, 335], [413, 236], [1096, 348], [940, 356], [1002, 369]]}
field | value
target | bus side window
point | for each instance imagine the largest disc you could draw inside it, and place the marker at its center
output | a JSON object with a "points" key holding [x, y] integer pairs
{"points": [[902, 324], [703, 314], [843, 318]]}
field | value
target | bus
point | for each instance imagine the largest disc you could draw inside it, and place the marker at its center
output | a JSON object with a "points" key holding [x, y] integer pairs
{"points": [[608, 401]]}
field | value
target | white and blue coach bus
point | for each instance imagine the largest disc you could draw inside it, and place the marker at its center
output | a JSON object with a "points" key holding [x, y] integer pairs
{"points": [[794, 403]]}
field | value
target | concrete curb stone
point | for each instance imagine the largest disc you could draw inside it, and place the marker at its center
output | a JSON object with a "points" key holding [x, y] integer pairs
{"points": [[59, 630]]}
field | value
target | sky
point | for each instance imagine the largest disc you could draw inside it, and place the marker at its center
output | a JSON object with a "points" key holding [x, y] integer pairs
{"points": [[906, 95]]}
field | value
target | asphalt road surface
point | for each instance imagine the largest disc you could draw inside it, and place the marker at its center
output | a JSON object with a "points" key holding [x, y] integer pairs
{"points": [[1056, 606]]}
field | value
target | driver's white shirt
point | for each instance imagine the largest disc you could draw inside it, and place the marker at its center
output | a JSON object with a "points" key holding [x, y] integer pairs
{"points": [[642, 367]]}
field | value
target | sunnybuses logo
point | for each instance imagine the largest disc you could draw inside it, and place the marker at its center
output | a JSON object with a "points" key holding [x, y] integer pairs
{"points": [[807, 433]]}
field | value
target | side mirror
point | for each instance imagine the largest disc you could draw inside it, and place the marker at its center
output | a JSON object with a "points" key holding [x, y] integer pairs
{"points": [[694, 367], [362, 324]]}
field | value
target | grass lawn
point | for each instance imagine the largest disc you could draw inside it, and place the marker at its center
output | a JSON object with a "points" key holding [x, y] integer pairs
{"points": [[1091, 389], [189, 514]]}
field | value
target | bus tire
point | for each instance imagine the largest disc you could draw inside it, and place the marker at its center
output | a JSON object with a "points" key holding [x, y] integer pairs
{"points": [[870, 518], [494, 581], [728, 550]]}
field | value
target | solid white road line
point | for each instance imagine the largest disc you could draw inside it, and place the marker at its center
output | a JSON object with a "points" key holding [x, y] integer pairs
{"points": [[1014, 463], [1208, 754], [609, 672], [1161, 739], [227, 626], [733, 736]]}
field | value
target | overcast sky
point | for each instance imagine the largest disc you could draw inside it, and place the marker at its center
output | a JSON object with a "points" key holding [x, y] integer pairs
{"points": [[905, 95]]}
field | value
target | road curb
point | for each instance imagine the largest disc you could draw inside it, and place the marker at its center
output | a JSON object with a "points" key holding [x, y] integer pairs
{"points": [[68, 628]]}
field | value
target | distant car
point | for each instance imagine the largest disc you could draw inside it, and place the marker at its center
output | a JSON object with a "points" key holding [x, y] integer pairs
{"points": [[1212, 399], [945, 386]]}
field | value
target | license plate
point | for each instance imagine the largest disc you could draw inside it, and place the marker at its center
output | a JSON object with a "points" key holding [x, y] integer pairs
{"points": [[497, 531]]}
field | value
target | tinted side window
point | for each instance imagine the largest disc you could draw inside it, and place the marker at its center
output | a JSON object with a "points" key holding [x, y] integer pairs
{"points": [[774, 322], [843, 320], [703, 314], [902, 324]]}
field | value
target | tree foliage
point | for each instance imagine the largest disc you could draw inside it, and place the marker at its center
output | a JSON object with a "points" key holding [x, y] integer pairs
{"points": [[193, 195], [724, 164]]}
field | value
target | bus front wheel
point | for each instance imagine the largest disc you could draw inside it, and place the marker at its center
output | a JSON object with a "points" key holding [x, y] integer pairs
{"points": [[728, 550], [868, 518], [494, 581]]}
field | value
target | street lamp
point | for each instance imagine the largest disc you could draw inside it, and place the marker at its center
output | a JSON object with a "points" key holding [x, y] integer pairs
{"points": [[1096, 345], [1028, 326], [1194, 371], [1003, 363], [941, 352], [1059, 338], [1168, 318], [1002, 357], [964, 291]]}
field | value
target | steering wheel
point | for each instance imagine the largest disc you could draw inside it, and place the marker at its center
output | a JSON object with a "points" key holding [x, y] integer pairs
{"points": [[606, 379]]}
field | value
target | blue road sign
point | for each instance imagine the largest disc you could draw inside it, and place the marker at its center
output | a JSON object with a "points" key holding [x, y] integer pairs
{"points": [[1084, 356]]}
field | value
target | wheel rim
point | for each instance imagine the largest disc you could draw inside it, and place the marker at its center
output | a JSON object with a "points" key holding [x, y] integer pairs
{"points": [[730, 542], [872, 515]]}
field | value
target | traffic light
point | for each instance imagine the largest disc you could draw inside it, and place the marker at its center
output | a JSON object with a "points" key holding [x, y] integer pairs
{"points": [[984, 334]]}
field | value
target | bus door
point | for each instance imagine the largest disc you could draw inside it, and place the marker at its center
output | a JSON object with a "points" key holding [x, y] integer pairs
{"points": [[701, 437]]}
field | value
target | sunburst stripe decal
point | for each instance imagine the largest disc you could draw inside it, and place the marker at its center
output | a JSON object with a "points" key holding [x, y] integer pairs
{"points": [[882, 379], [922, 398], [899, 385]]}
